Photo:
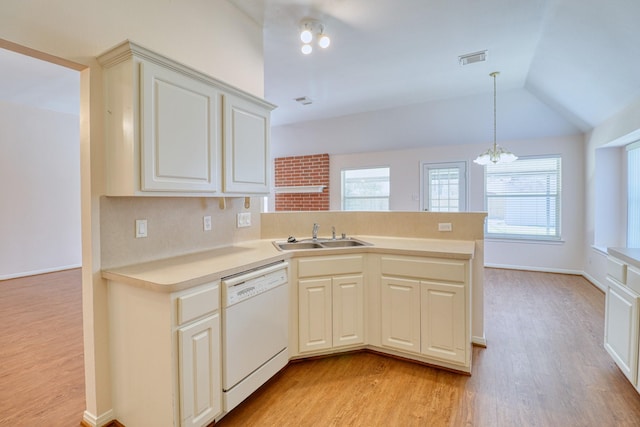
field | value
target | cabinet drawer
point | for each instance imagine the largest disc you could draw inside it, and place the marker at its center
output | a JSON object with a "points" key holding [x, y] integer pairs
{"points": [[330, 265], [198, 303], [633, 279], [617, 269], [448, 270]]}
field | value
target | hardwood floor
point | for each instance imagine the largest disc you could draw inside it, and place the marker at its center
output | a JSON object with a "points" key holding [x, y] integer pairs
{"points": [[544, 366], [41, 356]]}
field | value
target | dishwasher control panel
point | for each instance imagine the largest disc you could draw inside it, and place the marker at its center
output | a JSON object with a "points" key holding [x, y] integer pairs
{"points": [[246, 285]]}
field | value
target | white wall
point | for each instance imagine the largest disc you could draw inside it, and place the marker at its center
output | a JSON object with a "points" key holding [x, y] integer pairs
{"points": [[466, 120], [606, 203], [565, 256], [40, 188], [211, 36], [610, 214]]}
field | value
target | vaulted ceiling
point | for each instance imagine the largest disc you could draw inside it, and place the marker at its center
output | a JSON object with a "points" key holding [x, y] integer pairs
{"points": [[565, 65]]}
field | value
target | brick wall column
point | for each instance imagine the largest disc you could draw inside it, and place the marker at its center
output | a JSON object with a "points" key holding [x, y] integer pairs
{"points": [[302, 171]]}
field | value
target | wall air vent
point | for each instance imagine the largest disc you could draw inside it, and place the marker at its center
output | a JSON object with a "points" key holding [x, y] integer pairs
{"points": [[471, 58], [304, 100]]}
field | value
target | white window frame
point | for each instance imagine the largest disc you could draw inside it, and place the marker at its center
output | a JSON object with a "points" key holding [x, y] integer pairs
{"points": [[342, 186], [525, 232], [633, 195], [425, 187]]}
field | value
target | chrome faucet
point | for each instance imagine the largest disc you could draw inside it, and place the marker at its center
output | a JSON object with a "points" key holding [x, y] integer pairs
{"points": [[333, 233], [314, 234]]}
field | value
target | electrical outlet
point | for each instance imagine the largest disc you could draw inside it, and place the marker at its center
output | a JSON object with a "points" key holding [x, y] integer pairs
{"points": [[206, 222], [141, 228], [244, 219], [444, 226]]}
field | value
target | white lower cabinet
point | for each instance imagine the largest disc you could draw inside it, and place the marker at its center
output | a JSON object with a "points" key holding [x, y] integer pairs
{"points": [[330, 308], [418, 306], [331, 312], [442, 321], [621, 326], [425, 308], [166, 355], [199, 365], [621, 329], [347, 303], [400, 314], [314, 314]]}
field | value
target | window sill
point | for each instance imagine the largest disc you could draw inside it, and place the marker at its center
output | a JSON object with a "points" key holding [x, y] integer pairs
{"points": [[526, 241]]}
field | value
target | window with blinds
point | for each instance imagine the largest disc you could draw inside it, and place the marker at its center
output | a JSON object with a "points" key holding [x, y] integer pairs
{"points": [[522, 198], [365, 189], [633, 196]]}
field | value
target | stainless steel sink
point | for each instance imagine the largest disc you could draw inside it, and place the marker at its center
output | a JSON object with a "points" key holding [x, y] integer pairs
{"points": [[342, 243], [287, 246], [319, 244]]}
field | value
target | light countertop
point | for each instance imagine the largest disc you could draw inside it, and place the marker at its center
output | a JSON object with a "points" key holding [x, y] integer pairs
{"points": [[629, 255], [185, 271]]}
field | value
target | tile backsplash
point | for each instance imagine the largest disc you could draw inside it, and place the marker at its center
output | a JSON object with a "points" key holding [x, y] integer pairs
{"points": [[174, 226]]}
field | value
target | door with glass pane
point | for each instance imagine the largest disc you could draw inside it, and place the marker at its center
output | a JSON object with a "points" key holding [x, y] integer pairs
{"points": [[444, 187]]}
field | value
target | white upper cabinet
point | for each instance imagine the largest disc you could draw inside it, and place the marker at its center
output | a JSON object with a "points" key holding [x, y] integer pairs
{"points": [[166, 124], [180, 132], [246, 147]]}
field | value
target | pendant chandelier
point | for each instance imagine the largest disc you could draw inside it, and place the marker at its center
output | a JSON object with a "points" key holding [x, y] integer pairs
{"points": [[495, 154]]}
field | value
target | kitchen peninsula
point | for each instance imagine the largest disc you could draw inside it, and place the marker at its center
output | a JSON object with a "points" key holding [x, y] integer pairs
{"points": [[339, 300]]}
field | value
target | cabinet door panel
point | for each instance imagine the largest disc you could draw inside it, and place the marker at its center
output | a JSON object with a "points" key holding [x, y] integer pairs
{"points": [[443, 321], [200, 376], [314, 311], [400, 299], [180, 132], [621, 328], [246, 147], [348, 310]]}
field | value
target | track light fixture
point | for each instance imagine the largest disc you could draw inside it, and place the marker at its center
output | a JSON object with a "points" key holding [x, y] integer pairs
{"points": [[311, 30]]}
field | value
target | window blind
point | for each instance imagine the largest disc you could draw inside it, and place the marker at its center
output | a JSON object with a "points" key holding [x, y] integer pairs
{"points": [[365, 189], [522, 198]]}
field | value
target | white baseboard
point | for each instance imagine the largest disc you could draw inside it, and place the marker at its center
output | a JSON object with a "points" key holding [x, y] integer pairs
{"points": [[584, 274], [100, 421], [595, 282], [36, 272], [540, 269]]}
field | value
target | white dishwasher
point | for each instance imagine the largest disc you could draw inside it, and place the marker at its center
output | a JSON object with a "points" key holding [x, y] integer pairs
{"points": [[255, 324]]}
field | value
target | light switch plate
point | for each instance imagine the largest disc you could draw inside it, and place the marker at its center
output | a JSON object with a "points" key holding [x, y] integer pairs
{"points": [[141, 228], [244, 219]]}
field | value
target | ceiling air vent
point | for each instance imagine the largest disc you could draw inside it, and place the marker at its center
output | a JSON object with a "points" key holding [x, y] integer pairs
{"points": [[470, 58], [304, 100]]}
